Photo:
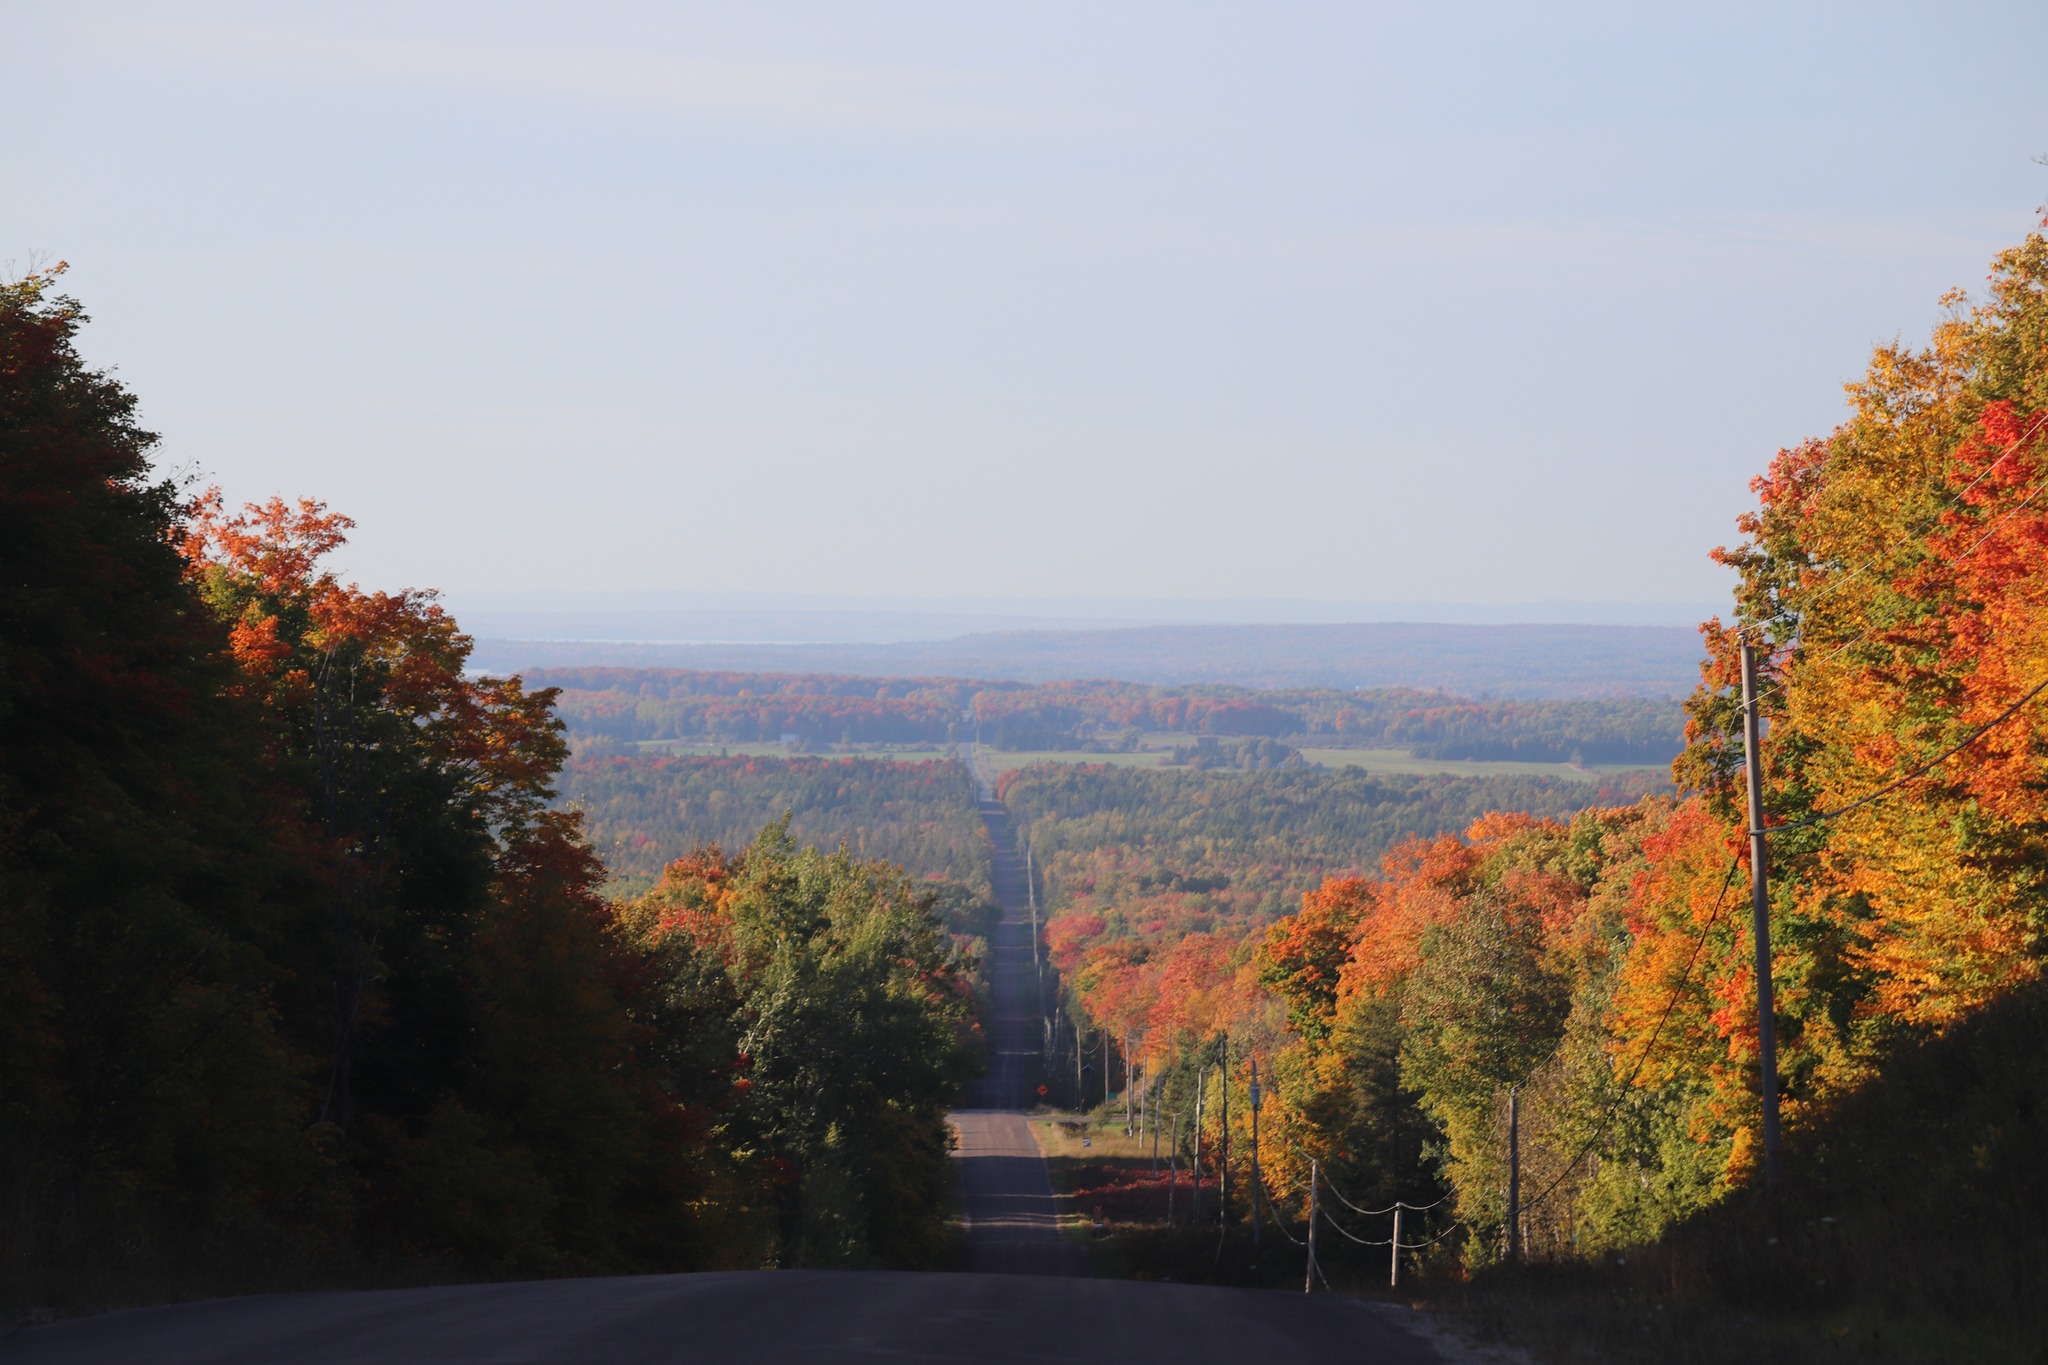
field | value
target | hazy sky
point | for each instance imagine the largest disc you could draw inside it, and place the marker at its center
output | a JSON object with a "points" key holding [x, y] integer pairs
{"points": [[1466, 302]]}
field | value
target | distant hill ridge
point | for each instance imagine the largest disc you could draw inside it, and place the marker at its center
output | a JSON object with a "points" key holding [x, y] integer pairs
{"points": [[1519, 661]]}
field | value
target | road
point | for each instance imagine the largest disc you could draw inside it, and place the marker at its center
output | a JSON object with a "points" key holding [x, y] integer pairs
{"points": [[1006, 1199], [1025, 1295], [752, 1317]]}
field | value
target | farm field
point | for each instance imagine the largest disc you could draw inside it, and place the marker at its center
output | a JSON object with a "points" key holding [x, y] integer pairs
{"points": [[993, 761], [1156, 753], [925, 753], [1402, 761]]}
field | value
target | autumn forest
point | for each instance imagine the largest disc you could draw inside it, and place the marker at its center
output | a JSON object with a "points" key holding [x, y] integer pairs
{"points": [[330, 959]]}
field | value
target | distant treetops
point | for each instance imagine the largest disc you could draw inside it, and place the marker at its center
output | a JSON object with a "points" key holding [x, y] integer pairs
{"points": [[725, 707]]}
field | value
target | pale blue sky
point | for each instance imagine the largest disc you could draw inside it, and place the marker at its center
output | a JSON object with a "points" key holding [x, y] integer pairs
{"points": [[1459, 302]]}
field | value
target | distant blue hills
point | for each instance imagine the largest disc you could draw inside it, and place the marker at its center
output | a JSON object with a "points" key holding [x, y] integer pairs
{"points": [[1464, 659]]}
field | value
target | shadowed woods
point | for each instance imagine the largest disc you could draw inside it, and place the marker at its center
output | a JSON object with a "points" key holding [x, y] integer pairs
{"points": [[1037, 1305]]}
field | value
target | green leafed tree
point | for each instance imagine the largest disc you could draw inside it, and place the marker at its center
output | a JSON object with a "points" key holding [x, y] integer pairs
{"points": [[848, 1029]]}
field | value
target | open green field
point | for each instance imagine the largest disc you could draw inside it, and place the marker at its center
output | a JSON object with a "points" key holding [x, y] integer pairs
{"points": [[898, 753], [1002, 760], [1156, 753], [1401, 761]]}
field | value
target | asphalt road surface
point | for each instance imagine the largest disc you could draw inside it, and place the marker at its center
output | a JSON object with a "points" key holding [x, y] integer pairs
{"points": [[758, 1317], [1024, 1297], [1006, 1199]]}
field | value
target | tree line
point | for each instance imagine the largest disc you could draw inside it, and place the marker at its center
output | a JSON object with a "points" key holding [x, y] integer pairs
{"points": [[734, 708], [1573, 995], [307, 974]]}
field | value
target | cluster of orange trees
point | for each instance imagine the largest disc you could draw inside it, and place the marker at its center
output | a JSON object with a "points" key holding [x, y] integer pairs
{"points": [[303, 968], [1894, 577]]}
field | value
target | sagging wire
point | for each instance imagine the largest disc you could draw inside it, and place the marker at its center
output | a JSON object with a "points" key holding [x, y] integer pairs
{"points": [[1346, 1232], [1331, 1186], [1649, 1044], [1975, 546], [1955, 502], [1274, 1214], [1944, 756]]}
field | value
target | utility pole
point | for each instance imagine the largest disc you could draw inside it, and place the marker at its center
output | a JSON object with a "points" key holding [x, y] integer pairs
{"points": [[1760, 919], [1223, 1136], [1514, 1173], [1031, 899], [1130, 1090], [1080, 1085], [1394, 1271], [1257, 1187], [1201, 1084], [1154, 1098], [1308, 1275], [1172, 1162]]}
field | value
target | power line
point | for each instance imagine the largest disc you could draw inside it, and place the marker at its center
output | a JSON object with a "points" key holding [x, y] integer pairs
{"points": [[1332, 1222], [1955, 501], [1331, 1186], [1975, 546], [1649, 1045], [1275, 1214], [1721, 902], [1944, 756], [1375, 1213]]}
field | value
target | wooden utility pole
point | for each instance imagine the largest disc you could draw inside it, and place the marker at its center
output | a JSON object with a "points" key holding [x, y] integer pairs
{"points": [[1257, 1188], [1394, 1270], [1130, 1096], [1223, 1136], [1172, 1163], [1080, 1085], [1760, 920], [1514, 1173], [1154, 1097], [1201, 1085], [1031, 898], [1308, 1275]]}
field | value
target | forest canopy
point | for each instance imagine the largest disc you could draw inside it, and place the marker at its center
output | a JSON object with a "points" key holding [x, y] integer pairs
{"points": [[1586, 982], [308, 975], [821, 709], [324, 956]]}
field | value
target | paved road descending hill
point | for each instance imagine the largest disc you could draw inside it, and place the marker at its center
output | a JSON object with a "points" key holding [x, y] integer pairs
{"points": [[1041, 1307], [1012, 1221], [752, 1317]]}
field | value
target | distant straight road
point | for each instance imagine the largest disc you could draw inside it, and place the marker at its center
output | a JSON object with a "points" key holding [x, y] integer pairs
{"points": [[1024, 1298], [1006, 1197]]}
